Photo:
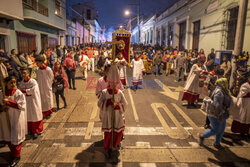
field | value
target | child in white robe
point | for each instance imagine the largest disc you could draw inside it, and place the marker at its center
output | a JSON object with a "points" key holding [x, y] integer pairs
{"points": [[105, 104], [121, 63], [84, 60], [45, 79], [138, 67], [15, 119], [30, 89]]}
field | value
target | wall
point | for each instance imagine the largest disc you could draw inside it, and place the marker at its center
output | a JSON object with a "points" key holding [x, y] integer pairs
{"points": [[15, 10], [52, 20], [34, 28]]}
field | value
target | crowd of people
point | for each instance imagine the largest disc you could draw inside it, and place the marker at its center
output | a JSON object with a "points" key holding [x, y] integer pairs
{"points": [[30, 79]]}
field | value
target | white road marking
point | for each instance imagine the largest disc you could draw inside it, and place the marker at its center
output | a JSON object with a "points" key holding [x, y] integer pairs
{"points": [[129, 131], [184, 115], [59, 145], [180, 164], [91, 122], [133, 106], [194, 144], [180, 132], [167, 91], [169, 144], [143, 144], [147, 165]]}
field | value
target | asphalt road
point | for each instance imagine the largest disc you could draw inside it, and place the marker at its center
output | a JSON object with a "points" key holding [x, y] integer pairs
{"points": [[160, 131]]}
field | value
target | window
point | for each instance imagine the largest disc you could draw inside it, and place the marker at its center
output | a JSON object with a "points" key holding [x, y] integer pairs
{"points": [[232, 26], [26, 42], [151, 36], [163, 36], [182, 36], [170, 35], [58, 7], [2, 42], [88, 14]]}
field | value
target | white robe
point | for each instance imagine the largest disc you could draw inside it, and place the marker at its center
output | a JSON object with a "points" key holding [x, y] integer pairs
{"points": [[106, 112], [18, 120], [45, 79], [33, 100], [192, 84], [102, 84], [242, 111], [121, 64], [138, 67]]}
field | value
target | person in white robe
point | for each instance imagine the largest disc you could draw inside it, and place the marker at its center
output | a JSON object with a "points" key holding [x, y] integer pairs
{"points": [[105, 104], [102, 82], [192, 89], [241, 116], [30, 89], [121, 64], [138, 68], [84, 60], [45, 79], [13, 121]]}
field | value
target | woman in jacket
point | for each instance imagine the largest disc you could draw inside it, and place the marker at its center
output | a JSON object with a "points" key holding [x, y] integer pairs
{"points": [[217, 110], [226, 66], [60, 83], [70, 65]]}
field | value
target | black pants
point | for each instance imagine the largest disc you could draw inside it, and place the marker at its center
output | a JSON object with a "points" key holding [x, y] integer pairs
{"points": [[71, 76], [207, 121], [61, 93]]}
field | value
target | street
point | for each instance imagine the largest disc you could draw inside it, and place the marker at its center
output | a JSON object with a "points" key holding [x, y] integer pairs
{"points": [[159, 132]]}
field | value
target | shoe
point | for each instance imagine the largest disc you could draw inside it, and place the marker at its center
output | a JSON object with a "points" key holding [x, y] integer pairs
{"points": [[57, 109], [65, 106], [206, 126], [70, 87], [218, 146], [14, 162], [201, 139], [35, 136], [74, 88]]}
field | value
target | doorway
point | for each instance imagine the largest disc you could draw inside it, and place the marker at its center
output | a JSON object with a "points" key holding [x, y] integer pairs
{"points": [[196, 35], [44, 41], [182, 36]]}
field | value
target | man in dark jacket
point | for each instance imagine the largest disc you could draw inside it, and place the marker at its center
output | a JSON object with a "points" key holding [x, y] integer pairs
{"points": [[210, 60], [157, 62], [180, 65]]}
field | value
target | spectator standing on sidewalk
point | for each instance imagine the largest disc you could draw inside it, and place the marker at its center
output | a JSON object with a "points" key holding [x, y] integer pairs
{"points": [[60, 83], [210, 60], [70, 65], [180, 65], [157, 62]]}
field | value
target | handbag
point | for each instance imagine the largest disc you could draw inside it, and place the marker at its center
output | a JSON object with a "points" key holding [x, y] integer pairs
{"points": [[57, 87]]}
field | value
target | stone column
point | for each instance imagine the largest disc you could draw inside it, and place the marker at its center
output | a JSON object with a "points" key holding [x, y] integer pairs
{"points": [[187, 41], [167, 29]]}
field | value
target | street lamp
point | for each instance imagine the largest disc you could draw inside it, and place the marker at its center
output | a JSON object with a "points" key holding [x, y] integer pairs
{"points": [[127, 12], [121, 26]]}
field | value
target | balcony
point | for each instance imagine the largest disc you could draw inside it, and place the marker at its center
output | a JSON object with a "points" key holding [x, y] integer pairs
{"points": [[36, 6]]}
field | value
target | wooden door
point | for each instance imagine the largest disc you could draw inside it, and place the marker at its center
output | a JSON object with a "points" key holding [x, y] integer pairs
{"points": [[196, 35]]}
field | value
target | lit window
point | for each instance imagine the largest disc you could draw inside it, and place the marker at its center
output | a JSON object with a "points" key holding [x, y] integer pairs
{"points": [[58, 7]]}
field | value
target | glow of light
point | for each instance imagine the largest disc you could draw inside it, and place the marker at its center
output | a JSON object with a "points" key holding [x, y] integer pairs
{"points": [[56, 12], [121, 26], [127, 12]]}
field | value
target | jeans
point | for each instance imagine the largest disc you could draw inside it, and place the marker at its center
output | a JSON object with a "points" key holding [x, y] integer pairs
{"points": [[157, 69], [180, 73], [71, 76], [218, 128], [61, 93]]}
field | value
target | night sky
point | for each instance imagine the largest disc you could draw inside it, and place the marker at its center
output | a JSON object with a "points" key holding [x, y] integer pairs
{"points": [[111, 12]]}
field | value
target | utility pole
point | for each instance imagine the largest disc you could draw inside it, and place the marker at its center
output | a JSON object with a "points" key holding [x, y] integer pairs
{"points": [[138, 21], [240, 32]]}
